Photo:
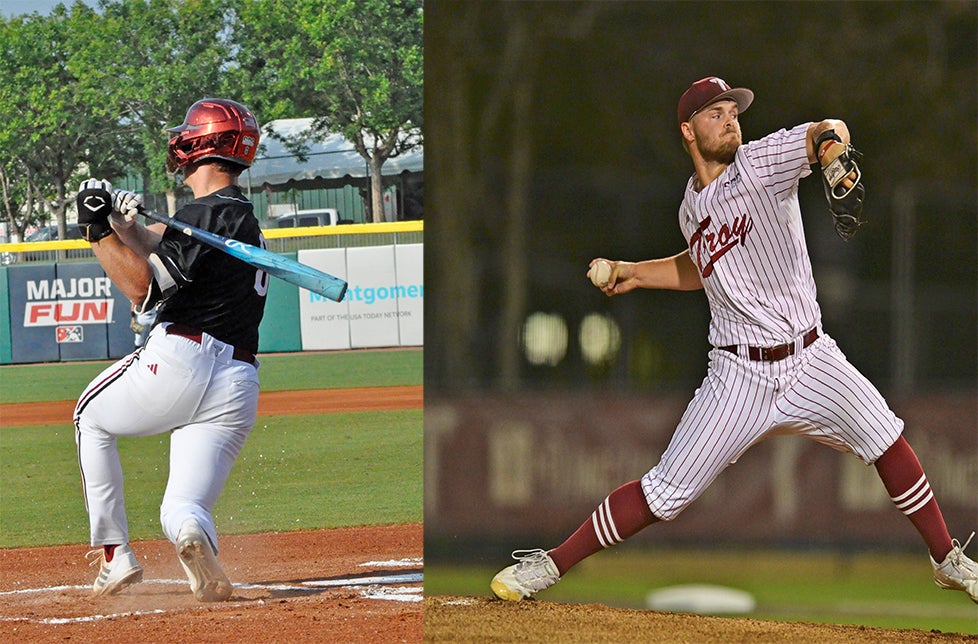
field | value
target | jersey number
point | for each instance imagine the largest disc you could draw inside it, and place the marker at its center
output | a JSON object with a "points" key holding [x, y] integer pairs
{"points": [[261, 277]]}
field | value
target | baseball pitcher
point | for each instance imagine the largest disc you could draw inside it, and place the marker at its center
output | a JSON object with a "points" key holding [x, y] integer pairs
{"points": [[772, 369]]}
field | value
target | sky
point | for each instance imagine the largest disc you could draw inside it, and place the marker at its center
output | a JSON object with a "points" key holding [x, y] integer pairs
{"points": [[16, 7]]}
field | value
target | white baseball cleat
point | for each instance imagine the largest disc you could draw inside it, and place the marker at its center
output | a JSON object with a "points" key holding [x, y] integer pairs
{"points": [[207, 579], [123, 571], [957, 571], [535, 571]]}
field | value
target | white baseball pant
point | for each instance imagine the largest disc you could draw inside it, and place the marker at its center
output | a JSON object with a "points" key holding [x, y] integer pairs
{"points": [[196, 391], [816, 393]]}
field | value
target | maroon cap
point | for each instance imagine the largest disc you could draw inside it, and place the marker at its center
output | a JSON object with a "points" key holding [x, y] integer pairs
{"points": [[709, 90]]}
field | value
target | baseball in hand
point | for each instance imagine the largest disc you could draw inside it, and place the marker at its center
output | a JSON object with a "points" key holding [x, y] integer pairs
{"points": [[600, 273]]}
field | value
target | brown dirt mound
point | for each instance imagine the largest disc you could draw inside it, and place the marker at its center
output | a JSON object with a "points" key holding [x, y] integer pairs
{"points": [[344, 585], [478, 619]]}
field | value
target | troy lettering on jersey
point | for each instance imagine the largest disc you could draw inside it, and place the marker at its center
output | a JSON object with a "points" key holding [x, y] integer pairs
{"points": [[709, 246]]}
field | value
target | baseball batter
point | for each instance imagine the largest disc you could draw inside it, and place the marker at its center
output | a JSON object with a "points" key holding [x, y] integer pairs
{"points": [[773, 369], [196, 377]]}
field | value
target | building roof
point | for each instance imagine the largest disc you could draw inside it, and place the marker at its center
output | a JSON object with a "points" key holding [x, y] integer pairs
{"points": [[331, 161]]}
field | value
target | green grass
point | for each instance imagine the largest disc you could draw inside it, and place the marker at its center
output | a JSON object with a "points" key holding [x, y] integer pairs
{"points": [[279, 372], [282, 372], [891, 590], [326, 471], [295, 472]]}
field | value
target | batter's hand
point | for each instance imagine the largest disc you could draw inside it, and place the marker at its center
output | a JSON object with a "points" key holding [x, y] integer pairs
{"points": [[125, 208], [94, 202]]}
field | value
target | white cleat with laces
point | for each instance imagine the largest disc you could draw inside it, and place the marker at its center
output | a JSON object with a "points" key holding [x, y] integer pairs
{"points": [[533, 572], [120, 573], [957, 571]]}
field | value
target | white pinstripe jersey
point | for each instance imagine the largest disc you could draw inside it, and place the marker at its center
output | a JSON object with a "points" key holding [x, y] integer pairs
{"points": [[746, 237]]}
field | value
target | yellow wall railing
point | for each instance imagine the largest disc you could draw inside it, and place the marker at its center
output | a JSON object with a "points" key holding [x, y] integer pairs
{"points": [[270, 233]]}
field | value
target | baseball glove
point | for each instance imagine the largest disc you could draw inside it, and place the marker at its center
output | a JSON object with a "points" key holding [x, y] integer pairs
{"points": [[838, 162]]}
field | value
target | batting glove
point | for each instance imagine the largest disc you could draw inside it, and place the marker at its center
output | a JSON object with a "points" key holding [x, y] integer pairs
{"points": [[125, 208], [94, 202]]}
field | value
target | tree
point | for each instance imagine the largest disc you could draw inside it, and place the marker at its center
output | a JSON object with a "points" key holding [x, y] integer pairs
{"points": [[92, 92], [51, 120], [17, 192], [355, 66], [75, 102], [166, 55]]}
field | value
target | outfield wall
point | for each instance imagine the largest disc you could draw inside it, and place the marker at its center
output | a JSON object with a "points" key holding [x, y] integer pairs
{"points": [[53, 312], [527, 469]]}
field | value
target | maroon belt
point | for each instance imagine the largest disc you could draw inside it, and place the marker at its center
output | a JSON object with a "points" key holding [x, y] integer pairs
{"points": [[773, 354], [191, 333]]}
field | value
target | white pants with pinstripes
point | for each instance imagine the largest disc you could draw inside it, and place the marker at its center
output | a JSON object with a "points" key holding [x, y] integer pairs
{"points": [[815, 393], [196, 391]]}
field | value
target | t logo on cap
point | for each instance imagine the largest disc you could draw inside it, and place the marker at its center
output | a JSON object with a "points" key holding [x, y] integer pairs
{"points": [[707, 91]]}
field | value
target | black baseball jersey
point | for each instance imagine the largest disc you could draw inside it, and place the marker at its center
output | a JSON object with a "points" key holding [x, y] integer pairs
{"points": [[205, 288]]}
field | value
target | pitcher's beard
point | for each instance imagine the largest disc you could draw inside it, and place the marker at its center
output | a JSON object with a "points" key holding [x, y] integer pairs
{"points": [[724, 152]]}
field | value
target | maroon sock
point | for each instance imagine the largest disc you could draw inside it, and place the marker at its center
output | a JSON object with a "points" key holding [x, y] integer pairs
{"points": [[620, 516], [109, 552], [909, 490]]}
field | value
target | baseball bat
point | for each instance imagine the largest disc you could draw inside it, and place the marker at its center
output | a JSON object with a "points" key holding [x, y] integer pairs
{"points": [[274, 264]]}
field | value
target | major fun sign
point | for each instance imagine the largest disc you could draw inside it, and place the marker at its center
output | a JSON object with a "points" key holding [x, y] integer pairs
{"points": [[74, 301]]}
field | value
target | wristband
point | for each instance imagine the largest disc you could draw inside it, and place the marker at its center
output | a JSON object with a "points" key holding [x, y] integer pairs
{"points": [[828, 136], [95, 231]]}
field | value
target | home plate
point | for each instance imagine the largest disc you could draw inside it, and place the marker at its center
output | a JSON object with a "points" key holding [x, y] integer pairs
{"points": [[702, 599]]}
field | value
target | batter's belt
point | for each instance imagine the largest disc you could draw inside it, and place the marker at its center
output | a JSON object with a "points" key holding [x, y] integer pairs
{"points": [[196, 335], [775, 353]]}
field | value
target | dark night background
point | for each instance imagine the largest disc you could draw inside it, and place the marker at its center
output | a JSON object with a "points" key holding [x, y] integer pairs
{"points": [[551, 138]]}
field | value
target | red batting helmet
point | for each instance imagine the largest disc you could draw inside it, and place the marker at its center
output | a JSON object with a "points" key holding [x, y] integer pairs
{"points": [[214, 128]]}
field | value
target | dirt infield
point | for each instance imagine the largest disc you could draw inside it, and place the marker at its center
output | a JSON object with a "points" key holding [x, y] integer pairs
{"points": [[478, 619], [348, 585], [320, 401], [352, 584]]}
